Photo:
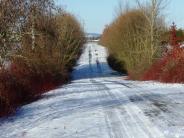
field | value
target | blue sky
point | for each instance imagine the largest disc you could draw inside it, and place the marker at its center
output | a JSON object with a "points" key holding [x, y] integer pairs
{"points": [[95, 14]]}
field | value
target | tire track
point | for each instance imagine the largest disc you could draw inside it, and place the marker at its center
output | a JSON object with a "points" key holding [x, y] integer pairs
{"points": [[151, 102], [143, 128], [115, 127], [163, 105]]}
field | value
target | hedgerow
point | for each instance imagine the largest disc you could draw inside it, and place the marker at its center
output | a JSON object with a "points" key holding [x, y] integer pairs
{"points": [[41, 47]]}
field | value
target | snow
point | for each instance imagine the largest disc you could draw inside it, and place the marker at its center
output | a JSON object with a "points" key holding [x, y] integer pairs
{"points": [[182, 46], [100, 103]]}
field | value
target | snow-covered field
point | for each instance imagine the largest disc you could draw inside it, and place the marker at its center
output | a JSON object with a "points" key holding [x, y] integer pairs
{"points": [[99, 103]]}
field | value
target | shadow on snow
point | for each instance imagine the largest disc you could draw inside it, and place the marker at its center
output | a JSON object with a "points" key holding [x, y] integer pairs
{"points": [[90, 71]]}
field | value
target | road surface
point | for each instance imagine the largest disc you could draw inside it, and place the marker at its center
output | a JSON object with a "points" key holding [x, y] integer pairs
{"points": [[100, 103]]}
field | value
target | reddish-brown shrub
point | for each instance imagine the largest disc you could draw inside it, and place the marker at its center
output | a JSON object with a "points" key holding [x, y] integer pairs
{"points": [[12, 92], [24, 82], [168, 69]]}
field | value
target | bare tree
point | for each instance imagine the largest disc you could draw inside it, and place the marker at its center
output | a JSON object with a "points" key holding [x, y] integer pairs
{"points": [[152, 10]]}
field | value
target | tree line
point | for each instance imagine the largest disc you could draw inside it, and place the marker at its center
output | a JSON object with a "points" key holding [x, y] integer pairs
{"points": [[39, 45], [141, 44], [134, 37]]}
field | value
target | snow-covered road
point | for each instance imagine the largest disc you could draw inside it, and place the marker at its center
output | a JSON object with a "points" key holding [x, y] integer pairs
{"points": [[99, 103]]}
